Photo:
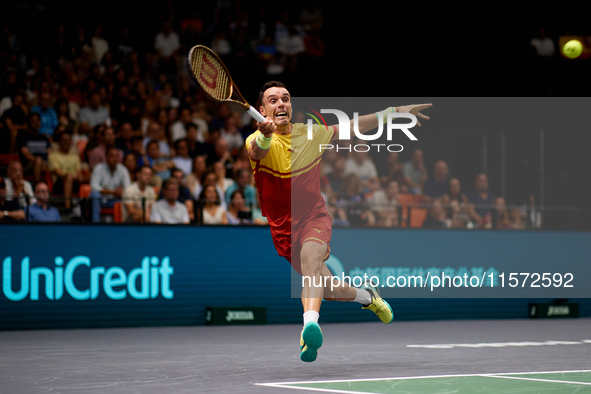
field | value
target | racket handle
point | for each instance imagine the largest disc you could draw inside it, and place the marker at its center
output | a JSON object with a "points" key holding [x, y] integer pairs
{"points": [[255, 114]]}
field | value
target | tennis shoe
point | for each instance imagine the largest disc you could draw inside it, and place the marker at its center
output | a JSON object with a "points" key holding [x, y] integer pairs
{"points": [[310, 342], [378, 305]]}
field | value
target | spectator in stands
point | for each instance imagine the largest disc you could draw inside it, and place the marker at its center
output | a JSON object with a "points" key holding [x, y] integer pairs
{"points": [[47, 114], [244, 184], [66, 169], [415, 172], [100, 46], [354, 204], [156, 132], [291, 48], [242, 161], [481, 202], [167, 43], [456, 204], [182, 160], [223, 181], [139, 197], [124, 136], [384, 204], [501, 215], [41, 211], [436, 217], [62, 109], [362, 165], [393, 171], [93, 115], [237, 212], [179, 128], [33, 148], [160, 165], [107, 182], [222, 153], [169, 210], [17, 188], [193, 180], [231, 134], [184, 193], [436, 185], [106, 139], [137, 147], [195, 147], [130, 162], [530, 214], [516, 220], [10, 210], [15, 119], [337, 175], [212, 210], [543, 45]]}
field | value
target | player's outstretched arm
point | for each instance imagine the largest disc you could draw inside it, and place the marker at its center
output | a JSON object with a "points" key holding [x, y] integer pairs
{"points": [[370, 121], [259, 146]]}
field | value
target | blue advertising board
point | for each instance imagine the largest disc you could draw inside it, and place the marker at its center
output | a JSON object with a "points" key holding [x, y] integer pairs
{"points": [[74, 276]]}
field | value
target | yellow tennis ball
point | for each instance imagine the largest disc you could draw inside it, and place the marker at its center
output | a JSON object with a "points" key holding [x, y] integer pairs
{"points": [[572, 49]]}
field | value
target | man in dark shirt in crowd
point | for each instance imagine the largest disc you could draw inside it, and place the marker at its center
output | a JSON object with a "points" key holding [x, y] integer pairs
{"points": [[33, 148], [15, 119], [10, 210], [436, 185], [481, 201]]}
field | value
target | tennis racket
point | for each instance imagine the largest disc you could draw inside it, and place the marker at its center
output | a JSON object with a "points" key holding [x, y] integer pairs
{"points": [[211, 74]]}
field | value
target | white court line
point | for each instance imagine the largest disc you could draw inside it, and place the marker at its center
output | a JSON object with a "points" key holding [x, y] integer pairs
{"points": [[539, 380], [310, 388], [417, 377], [497, 344]]}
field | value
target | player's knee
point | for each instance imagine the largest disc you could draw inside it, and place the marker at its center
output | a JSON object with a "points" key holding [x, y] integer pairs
{"points": [[311, 265]]}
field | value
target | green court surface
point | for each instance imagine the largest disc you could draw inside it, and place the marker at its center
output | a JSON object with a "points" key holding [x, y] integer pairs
{"points": [[532, 382]]}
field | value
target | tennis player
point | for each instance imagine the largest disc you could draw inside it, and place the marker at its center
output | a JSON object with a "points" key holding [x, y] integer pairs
{"points": [[286, 167]]}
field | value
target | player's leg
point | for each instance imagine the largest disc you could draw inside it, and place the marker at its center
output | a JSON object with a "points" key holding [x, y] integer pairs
{"points": [[312, 266], [312, 256], [367, 295]]}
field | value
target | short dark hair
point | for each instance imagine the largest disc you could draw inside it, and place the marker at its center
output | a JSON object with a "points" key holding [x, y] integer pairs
{"points": [[177, 142], [32, 115], [176, 169], [110, 148], [268, 85], [152, 142], [140, 168], [168, 182]]}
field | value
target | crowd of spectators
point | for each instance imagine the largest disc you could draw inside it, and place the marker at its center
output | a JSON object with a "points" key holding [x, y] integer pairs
{"points": [[407, 194], [95, 114], [100, 118]]}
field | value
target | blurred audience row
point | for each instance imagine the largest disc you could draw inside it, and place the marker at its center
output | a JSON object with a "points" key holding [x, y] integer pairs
{"points": [[115, 130]]}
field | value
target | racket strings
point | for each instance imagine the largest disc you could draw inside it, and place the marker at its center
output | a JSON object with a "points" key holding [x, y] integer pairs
{"points": [[211, 75]]}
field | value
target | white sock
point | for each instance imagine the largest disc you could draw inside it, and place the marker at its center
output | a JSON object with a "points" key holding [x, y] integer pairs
{"points": [[363, 297], [311, 316]]}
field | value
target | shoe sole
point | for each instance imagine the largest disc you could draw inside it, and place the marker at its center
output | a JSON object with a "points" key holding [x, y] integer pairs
{"points": [[312, 337]]}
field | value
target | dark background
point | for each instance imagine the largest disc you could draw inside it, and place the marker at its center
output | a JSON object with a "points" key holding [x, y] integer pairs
{"points": [[398, 49]]}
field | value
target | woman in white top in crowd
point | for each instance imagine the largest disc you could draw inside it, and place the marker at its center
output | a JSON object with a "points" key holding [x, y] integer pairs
{"points": [[212, 211], [236, 207]]}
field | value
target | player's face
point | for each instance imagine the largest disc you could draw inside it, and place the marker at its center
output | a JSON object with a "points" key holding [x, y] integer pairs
{"points": [[277, 105]]}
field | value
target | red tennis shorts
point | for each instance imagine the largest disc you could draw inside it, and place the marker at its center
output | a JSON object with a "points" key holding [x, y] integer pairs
{"points": [[317, 229]]}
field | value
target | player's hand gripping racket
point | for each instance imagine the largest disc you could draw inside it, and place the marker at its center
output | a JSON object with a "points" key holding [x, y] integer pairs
{"points": [[211, 74]]}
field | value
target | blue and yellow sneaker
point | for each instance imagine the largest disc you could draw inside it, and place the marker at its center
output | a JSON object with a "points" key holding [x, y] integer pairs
{"points": [[378, 305], [310, 342]]}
